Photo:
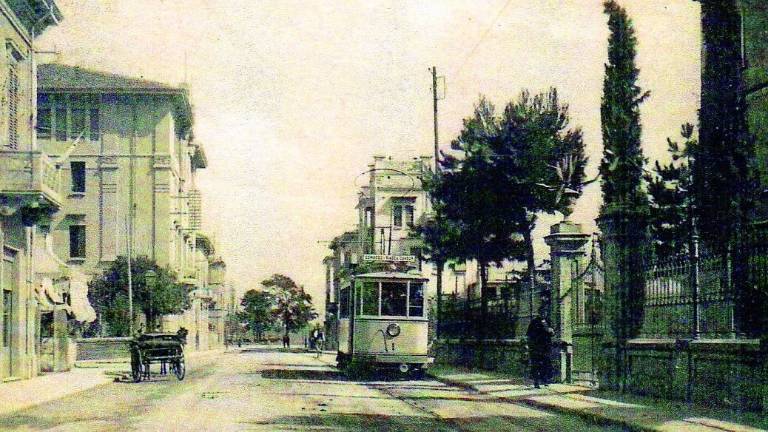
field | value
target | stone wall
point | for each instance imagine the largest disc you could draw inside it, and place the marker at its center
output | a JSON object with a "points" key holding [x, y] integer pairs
{"points": [[103, 348], [729, 373], [506, 355]]}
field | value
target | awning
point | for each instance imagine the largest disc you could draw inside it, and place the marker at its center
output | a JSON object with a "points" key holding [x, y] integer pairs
{"points": [[78, 295]]}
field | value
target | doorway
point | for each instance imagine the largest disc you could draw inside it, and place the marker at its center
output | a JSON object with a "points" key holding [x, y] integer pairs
{"points": [[8, 291]]}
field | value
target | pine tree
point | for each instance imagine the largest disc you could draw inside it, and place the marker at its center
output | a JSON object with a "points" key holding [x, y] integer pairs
{"points": [[670, 189], [540, 161], [473, 203]]}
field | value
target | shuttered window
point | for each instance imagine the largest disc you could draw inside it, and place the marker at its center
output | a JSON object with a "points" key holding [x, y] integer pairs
{"points": [[13, 102]]}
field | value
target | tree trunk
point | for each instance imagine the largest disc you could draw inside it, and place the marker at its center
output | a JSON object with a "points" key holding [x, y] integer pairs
{"points": [[439, 311], [530, 259], [482, 325]]}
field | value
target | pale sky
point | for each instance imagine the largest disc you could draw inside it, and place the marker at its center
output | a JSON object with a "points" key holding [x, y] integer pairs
{"points": [[292, 98]]}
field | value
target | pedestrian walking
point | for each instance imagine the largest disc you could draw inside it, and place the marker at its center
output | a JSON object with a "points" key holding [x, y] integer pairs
{"points": [[539, 350]]}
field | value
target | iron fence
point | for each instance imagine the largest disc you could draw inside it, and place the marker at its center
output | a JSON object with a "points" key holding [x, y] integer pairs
{"points": [[507, 317], [700, 296], [672, 298]]}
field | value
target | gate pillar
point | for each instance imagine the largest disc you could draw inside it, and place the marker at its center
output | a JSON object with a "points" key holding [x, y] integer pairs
{"points": [[567, 243]]}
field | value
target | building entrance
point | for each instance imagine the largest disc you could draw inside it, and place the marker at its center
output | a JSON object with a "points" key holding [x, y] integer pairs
{"points": [[8, 291]]}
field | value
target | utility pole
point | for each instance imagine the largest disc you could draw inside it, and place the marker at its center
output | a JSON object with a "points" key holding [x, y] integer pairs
{"points": [[434, 111], [129, 252], [439, 265]]}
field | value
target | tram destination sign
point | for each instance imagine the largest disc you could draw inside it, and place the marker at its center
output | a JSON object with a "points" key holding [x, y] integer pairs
{"points": [[389, 258]]}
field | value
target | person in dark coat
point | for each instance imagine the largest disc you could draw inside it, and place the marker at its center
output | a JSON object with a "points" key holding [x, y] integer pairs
{"points": [[539, 349], [286, 341]]}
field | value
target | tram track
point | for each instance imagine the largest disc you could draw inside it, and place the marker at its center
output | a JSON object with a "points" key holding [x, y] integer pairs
{"points": [[413, 403]]}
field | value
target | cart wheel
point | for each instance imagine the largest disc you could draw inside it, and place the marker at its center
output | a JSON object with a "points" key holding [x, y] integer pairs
{"points": [[136, 371], [179, 369]]}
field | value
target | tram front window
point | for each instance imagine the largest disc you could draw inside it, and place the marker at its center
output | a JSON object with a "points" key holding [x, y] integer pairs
{"points": [[416, 300], [393, 298], [370, 298]]}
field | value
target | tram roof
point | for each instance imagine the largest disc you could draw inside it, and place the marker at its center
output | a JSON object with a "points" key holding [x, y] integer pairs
{"points": [[391, 275]]}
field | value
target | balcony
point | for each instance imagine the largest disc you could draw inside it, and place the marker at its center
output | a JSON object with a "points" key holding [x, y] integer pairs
{"points": [[29, 179]]}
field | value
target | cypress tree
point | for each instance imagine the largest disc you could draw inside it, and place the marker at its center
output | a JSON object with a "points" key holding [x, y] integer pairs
{"points": [[622, 164], [724, 178], [723, 182], [624, 212]]}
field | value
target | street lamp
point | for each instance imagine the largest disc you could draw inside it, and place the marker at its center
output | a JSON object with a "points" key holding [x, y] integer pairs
{"points": [[150, 277]]}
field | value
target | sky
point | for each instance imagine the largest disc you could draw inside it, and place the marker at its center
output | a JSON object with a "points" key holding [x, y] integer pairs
{"points": [[292, 98]]}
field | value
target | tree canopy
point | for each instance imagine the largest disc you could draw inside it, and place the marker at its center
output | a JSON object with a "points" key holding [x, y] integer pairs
{"points": [[669, 187], [256, 313], [292, 306], [108, 293]]}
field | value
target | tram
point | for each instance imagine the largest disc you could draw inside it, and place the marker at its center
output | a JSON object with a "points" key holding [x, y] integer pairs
{"points": [[383, 322]]}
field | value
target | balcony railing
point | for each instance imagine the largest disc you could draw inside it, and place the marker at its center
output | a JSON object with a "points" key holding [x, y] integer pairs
{"points": [[30, 175]]}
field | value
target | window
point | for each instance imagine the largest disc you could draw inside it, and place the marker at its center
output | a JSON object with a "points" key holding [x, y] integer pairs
{"points": [[397, 215], [416, 300], [369, 298], [77, 123], [402, 211], [369, 217], [44, 123], [78, 176], [393, 298], [344, 303], [77, 241], [95, 128], [7, 317], [13, 102], [408, 215], [61, 124], [46, 325]]}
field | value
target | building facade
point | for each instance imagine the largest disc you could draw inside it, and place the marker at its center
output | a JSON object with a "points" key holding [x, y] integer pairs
{"points": [[30, 192], [128, 166]]}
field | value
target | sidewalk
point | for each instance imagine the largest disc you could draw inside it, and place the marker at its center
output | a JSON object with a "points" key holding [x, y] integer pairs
{"points": [[18, 395], [603, 407]]}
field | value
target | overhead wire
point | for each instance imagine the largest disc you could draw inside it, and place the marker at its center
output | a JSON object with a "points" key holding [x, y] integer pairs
{"points": [[485, 34]]}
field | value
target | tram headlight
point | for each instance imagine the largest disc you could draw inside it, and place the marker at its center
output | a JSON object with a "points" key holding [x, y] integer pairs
{"points": [[393, 330]]}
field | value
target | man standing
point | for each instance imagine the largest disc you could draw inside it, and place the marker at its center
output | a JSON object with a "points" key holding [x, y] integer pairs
{"points": [[539, 348], [286, 341]]}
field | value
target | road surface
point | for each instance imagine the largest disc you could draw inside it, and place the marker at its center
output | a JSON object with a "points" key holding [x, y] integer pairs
{"points": [[266, 389]]}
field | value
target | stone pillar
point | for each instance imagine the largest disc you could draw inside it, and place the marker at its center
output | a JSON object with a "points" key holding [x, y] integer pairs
{"points": [[624, 248], [567, 243]]}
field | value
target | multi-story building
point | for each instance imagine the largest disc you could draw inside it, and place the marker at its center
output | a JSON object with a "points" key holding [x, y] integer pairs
{"points": [[128, 162], [389, 208], [391, 204], [30, 192]]}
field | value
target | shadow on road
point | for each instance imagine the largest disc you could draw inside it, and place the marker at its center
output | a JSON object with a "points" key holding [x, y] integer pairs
{"points": [[304, 374], [409, 423], [333, 375], [250, 350], [354, 422]]}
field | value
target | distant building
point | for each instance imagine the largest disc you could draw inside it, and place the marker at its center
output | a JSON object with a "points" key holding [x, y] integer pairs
{"points": [[30, 192], [129, 164], [390, 206]]}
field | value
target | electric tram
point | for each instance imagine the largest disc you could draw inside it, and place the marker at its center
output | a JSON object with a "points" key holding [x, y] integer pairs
{"points": [[383, 322]]}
